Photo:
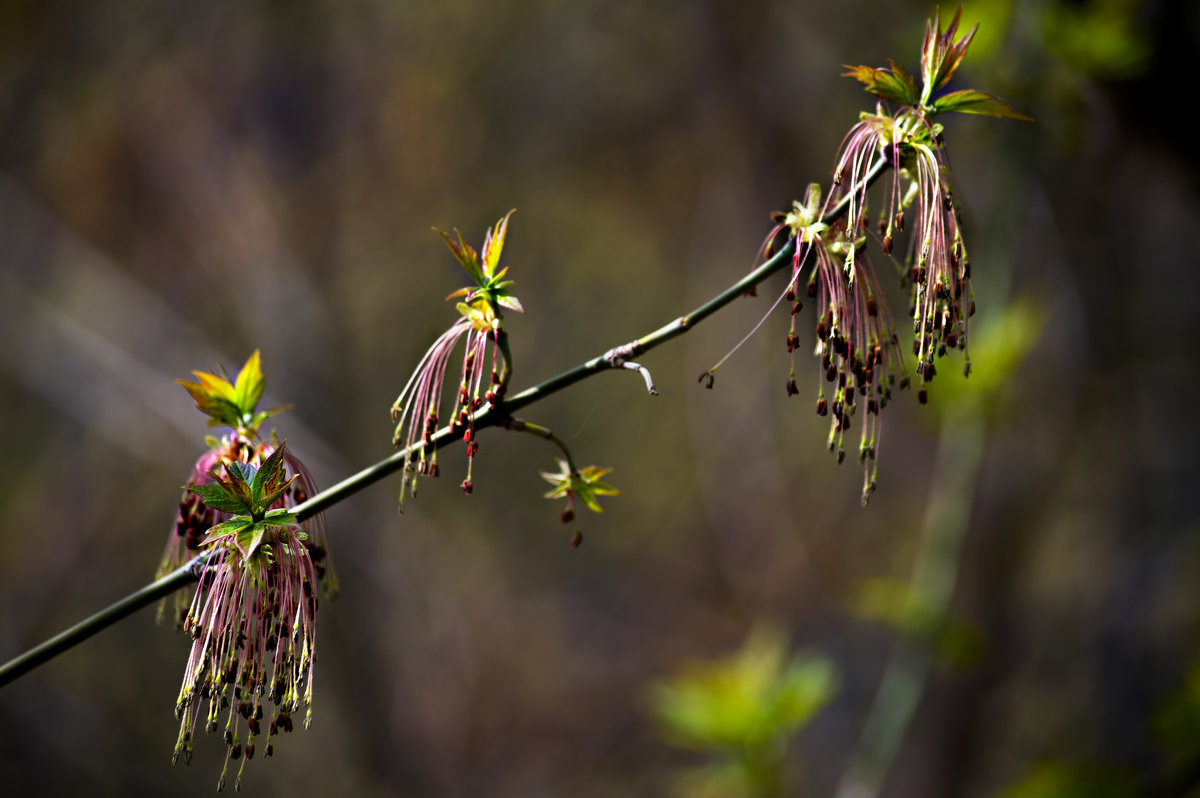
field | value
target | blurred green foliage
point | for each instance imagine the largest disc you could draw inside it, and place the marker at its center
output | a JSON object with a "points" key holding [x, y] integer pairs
{"points": [[1066, 780], [744, 709]]}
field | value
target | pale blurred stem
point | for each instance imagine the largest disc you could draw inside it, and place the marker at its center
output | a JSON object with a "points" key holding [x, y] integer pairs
{"points": [[614, 358], [960, 452], [517, 425]]}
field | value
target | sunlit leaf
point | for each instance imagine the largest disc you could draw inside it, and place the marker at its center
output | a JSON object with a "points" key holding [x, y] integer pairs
{"points": [[882, 84], [248, 387], [969, 101], [493, 244]]}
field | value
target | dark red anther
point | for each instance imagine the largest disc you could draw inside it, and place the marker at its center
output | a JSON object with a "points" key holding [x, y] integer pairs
{"points": [[822, 407], [568, 515], [472, 448], [792, 390], [576, 539], [922, 396], [467, 486]]}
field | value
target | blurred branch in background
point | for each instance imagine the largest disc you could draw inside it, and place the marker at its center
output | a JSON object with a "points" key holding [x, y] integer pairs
{"points": [[921, 609]]}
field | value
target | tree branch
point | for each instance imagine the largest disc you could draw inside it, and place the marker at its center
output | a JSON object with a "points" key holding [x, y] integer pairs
{"points": [[617, 358]]}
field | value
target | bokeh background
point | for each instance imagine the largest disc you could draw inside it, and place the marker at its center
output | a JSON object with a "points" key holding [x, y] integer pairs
{"points": [[1015, 613]]}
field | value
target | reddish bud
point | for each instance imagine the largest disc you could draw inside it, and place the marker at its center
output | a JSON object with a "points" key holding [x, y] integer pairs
{"points": [[467, 486]]}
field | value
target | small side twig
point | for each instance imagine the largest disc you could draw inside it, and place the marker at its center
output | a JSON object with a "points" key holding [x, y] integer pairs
{"points": [[517, 425]]}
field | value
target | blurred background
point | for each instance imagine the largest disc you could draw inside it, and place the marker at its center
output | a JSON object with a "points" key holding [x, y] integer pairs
{"points": [[1015, 613]]}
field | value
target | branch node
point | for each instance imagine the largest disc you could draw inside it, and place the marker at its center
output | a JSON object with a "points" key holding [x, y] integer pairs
{"points": [[619, 358]]}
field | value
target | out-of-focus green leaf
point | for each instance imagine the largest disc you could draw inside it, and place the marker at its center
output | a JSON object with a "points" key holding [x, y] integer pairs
{"points": [[1177, 722], [997, 349], [898, 604], [755, 698], [1066, 780], [1100, 39]]}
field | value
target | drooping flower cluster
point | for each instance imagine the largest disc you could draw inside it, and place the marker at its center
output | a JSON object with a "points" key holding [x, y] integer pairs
{"points": [[912, 144], [856, 337], [417, 411], [252, 617], [857, 344]]}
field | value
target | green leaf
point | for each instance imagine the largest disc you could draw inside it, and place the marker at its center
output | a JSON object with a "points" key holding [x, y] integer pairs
{"points": [[748, 703], [226, 529], [464, 254], [281, 518], [493, 244], [268, 473], [507, 300], [909, 82], [589, 499], [969, 101], [249, 385], [249, 538], [218, 498], [216, 386], [219, 409], [882, 84]]}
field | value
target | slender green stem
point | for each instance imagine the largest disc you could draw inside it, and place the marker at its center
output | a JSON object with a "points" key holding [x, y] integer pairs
{"points": [[184, 575], [545, 433], [617, 358]]}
